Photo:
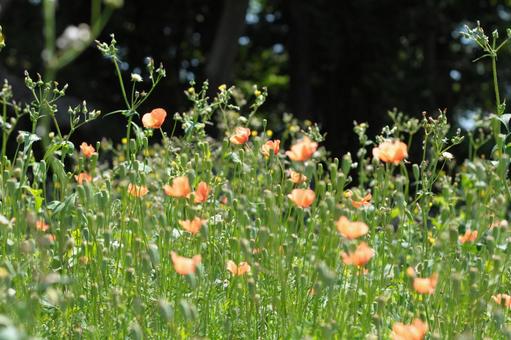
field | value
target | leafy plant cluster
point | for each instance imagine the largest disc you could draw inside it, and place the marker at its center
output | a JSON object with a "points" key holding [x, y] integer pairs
{"points": [[232, 237]]}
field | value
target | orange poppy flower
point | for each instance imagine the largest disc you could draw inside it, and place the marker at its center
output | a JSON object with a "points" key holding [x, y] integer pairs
{"points": [[296, 177], [502, 299], [270, 146], [192, 226], [302, 197], [154, 119], [302, 150], [414, 331], [410, 272], [185, 265], [425, 285], [240, 136], [351, 229], [238, 270], [360, 257], [499, 224], [201, 193], [180, 187], [83, 177], [41, 225], [87, 150], [137, 190], [391, 152], [256, 251], [366, 200], [469, 236]]}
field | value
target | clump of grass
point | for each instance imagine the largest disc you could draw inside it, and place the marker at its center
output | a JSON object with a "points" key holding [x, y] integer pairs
{"points": [[236, 238]]}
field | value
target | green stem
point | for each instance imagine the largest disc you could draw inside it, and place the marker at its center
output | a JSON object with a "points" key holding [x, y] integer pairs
{"points": [[95, 10], [4, 132], [49, 28], [495, 83], [121, 84], [128, 133]]}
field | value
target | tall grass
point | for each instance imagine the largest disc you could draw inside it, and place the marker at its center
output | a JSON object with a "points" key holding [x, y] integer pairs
{"points": [[236, 238]]}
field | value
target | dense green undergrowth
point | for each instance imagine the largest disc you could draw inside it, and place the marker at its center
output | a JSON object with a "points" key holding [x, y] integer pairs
{"points": [[236, 238]]}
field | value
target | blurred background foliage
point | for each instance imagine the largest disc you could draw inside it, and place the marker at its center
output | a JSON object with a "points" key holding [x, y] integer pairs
{"points": [[331, 62]]}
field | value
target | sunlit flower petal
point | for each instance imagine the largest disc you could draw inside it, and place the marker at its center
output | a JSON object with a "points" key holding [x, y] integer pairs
{"points": [[154, 119], [391, 152]]}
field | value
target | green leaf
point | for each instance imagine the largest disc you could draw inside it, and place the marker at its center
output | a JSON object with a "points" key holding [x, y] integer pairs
{"points": [[58, 206], [235, 157], [504, 119], [38, 197], [28, 139], [2, 39]]}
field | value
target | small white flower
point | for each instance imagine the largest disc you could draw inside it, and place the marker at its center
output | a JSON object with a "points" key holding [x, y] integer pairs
{"points": [[135, 77], [74, 36], [176, 233], [216, 219], [447, 155]]}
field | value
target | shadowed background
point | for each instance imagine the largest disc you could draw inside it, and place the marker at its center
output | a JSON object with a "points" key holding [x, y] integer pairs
{"points": [[332, 62]]}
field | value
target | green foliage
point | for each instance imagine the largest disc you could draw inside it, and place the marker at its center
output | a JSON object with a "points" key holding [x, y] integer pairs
{"points": [[231, 237]]}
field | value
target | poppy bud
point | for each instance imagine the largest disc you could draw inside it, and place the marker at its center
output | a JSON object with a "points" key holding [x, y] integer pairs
{"points": [[189, 310], [154, 254], [165, 309]]}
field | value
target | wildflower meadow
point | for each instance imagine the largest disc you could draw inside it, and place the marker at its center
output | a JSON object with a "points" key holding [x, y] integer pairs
{"points": [[249, 232]]}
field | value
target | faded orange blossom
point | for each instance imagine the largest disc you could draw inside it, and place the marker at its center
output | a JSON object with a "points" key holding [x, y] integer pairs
{"points": [[296, 177], [238, 270], [87, 150], [201, 193], [83, 177], [137, 190], [240, 136], [425, 285], [192, 226], [270, 146], [414, 331], [185, 265], [502, 299], [391, 151], [303, 198], [360, 257], [41, 225], [302, 150], [154, 119], [180, 188], [351, 229], [410, 272], [366, 200], [469, 236]]}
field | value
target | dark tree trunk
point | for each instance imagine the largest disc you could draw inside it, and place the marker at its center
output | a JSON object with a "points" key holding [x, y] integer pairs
{"points": [[299, 43], [220, 64], [4, 4]]}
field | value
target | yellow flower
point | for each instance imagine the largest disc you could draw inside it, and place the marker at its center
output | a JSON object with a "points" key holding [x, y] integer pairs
{"points": [[269, 133], [222, 87], [124, 140], [3, 273], [431, 239]]}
